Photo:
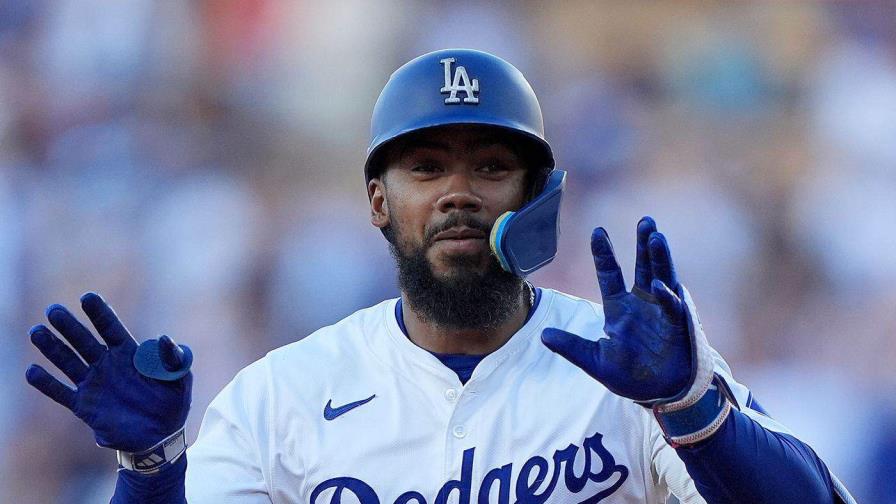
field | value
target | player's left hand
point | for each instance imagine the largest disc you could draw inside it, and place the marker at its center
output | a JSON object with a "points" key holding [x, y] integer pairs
{"points": [[647, 356]]}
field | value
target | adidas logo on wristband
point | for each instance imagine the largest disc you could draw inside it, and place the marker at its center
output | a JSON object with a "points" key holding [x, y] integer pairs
{"points": [[153, 460]]}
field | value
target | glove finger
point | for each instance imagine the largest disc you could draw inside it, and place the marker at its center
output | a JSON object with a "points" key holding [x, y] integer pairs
{"points": [[81, 339], [43, 381], [661, 260], [668, 301], [106, 321], [643, 272], [577, 350], [58, 353], [172, 356], [609, 274]]}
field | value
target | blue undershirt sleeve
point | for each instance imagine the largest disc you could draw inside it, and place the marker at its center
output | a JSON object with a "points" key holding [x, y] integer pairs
{"points": [[745, 462], [166, 487]]}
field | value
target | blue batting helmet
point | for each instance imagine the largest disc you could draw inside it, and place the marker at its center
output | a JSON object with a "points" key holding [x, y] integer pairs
{"points": [[456, 86]]}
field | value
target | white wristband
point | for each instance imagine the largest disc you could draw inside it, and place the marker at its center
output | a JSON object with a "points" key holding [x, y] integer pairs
{"points": [[151, 461]]}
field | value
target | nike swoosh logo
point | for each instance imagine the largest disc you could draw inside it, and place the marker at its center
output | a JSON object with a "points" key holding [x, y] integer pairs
{"points": [[330, 413]]}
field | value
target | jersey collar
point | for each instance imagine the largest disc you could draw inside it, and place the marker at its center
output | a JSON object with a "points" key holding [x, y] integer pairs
{"points": [[403, 355]]}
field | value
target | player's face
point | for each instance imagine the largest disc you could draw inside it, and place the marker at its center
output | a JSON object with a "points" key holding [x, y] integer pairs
{"points": [[443, 190]]}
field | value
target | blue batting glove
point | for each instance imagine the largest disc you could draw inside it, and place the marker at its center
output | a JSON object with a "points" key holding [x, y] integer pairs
{"points": [[647, 356], [129, 410]]}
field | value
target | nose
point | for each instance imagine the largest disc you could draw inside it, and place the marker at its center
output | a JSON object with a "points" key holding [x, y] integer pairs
{"points": [[459, 195]]}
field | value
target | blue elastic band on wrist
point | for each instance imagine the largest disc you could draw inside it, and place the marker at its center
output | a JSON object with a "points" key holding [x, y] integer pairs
{"points": [[698, 421]]}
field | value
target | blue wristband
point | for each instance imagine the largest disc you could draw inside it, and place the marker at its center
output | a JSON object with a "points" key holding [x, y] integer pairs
{"points": [[698, 421]]}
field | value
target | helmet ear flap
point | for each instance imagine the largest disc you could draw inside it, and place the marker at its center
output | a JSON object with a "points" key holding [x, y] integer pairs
{"points": [[525, 240]]}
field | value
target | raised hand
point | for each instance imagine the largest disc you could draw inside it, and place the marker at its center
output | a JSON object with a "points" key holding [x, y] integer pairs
{"points": [[647, 356], [128, 409]]}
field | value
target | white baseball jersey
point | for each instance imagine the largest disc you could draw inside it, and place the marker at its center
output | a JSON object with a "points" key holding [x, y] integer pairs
{"points": [[356, 412]]}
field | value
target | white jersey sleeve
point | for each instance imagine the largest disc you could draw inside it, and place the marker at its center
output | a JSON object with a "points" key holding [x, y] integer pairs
{"points": [[227, 463]]}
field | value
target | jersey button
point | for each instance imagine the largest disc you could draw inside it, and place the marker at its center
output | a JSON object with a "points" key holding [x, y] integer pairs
{"points": [[459, 431], [451, 395]]}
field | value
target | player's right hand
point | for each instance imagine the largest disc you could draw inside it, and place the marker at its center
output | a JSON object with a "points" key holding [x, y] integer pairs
{"points": [[126, 409]]}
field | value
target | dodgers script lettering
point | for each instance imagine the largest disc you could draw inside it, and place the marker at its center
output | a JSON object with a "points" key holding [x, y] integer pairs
{"points": [[534, 482]]}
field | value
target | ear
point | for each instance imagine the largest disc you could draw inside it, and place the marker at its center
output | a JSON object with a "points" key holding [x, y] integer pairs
{"points": [[379, 208]]}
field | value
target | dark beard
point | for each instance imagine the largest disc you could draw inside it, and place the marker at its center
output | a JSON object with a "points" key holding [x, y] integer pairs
{"points": [[471, 299]]}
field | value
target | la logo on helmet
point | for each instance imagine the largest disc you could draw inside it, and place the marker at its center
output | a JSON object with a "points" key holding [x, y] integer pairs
{"points": [[460, 82]]}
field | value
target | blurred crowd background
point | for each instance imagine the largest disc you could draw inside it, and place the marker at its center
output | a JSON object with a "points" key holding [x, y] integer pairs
{"points": [[200, 165]]}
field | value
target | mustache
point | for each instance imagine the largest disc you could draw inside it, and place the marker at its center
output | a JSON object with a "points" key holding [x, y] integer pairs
{"points": [[458, 219]]}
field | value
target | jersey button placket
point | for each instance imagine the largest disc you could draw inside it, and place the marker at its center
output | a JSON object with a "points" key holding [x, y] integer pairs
{"points": [[459, 423], [458, 435], [457, 430]]}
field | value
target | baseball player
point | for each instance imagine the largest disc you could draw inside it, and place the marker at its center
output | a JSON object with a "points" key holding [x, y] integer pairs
{"points": [[474, 386]]}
